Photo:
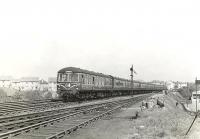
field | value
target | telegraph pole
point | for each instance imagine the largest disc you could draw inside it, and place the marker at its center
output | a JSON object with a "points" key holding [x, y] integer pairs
{"points": [[131, 69]]}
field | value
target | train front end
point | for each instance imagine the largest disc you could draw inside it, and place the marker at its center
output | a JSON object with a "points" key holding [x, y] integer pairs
{"points": [[68, 85]]}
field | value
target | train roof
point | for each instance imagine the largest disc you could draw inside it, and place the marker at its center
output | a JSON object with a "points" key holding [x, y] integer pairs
{"points": [[79, 70]]}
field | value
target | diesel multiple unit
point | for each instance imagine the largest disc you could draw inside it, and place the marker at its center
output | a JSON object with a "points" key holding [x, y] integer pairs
{"points": [[76, 83]]}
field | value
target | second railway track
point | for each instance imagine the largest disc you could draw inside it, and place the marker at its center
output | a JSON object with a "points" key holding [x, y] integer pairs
{"points": [[53, 124], [13, 108]]}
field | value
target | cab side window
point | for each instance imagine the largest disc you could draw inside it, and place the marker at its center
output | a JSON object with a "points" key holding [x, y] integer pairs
{"points": [[82, 78]]}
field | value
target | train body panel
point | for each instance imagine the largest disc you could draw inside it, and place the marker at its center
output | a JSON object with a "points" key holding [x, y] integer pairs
{"points": [[76, 82]]}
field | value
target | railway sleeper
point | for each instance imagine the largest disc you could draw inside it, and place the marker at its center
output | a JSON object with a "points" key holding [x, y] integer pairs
{"points": [[64, 118], [91, 120]]}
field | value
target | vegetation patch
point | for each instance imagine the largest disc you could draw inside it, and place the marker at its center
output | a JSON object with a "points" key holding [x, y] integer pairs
{"points": [[166, 121]]}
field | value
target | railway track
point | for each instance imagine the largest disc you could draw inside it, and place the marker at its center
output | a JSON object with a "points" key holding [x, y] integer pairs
{"points": [[13, 108], [53, 124]]}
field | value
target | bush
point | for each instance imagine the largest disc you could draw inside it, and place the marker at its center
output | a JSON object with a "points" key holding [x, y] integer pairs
{"points": [[3, 93], [47, 95], [17, 95], [32, 95], [186, 92]]}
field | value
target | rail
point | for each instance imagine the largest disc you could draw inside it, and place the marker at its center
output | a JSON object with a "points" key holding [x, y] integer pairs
{"points": [[36, 123]]}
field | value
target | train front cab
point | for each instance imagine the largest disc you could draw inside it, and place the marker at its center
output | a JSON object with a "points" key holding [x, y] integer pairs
{"points": [[68, 84]]}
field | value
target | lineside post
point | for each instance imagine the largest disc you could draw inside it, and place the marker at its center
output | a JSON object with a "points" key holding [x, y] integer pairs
{"points": [[131, 69]]}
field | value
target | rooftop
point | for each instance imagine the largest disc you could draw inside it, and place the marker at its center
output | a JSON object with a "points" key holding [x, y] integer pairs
{"points": [[6, 78], [29, 79]]}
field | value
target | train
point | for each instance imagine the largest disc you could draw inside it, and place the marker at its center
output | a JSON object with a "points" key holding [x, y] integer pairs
{"points": [[79, 84]]}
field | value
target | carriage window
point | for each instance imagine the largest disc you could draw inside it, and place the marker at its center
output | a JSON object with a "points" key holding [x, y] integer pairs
{"points": [[82, 78], [92, 80], [63, 77], [89, 79], [74, 77], [59, 77], [102, 81], [86, 79], [108, 81]]}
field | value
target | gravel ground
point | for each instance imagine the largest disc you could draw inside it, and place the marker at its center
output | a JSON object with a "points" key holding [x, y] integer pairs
{"points": [[169, 122]]}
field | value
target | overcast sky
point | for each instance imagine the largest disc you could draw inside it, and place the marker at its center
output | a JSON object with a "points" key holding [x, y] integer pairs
{"points": [[160, 38]]}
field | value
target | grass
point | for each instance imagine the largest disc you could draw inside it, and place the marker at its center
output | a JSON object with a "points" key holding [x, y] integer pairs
{"points": [[167, 122]]}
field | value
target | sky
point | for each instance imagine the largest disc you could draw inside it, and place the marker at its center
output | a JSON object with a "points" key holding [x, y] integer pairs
{"points": [[160, 38]]}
